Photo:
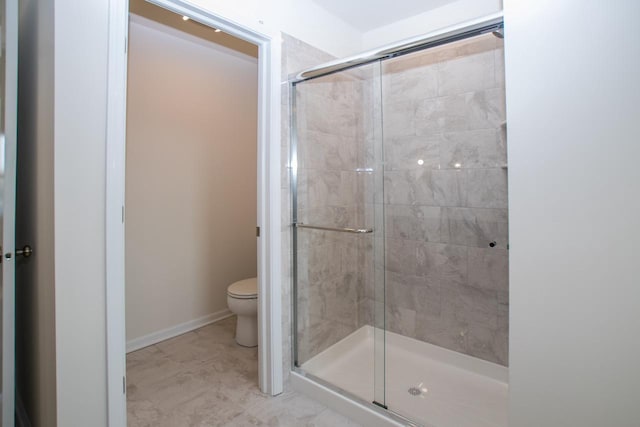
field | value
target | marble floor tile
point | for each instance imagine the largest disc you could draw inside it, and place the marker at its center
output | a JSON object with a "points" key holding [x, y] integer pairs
{"points": [[203, 378]]}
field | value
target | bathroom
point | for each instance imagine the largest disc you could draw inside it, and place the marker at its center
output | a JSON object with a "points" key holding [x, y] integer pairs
{"points": [[382, 242]]}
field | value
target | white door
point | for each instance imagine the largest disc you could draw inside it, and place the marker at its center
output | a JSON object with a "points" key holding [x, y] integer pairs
{"points": [[8, 124]]}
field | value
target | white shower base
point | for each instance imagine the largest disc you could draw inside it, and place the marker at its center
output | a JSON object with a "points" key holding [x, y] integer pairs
{"points": [[458, 390]]}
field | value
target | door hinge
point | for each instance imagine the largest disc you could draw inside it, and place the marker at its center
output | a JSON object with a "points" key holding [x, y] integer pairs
{"points": [[124, 385], [257, 231], [123, 214]]}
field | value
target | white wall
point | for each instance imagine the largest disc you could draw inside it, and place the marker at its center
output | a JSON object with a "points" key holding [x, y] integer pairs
{"points": [[79, 187], [444, 16], [573, 110], [191, 176]]}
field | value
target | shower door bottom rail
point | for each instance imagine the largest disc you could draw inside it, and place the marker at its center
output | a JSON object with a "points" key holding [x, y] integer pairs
{"points": [[341, 230]]}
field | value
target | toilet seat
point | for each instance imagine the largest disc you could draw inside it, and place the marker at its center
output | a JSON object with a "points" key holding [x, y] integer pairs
{"points": [[244, 289]]}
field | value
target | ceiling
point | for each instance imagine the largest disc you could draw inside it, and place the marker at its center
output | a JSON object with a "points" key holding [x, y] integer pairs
{"points": [[170, 19], [366, 15]]}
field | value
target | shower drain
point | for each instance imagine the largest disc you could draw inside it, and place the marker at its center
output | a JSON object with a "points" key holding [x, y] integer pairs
{"points": [[414, 391]]}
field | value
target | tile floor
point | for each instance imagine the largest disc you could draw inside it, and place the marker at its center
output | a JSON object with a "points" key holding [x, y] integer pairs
{"points": [[203, 378]]}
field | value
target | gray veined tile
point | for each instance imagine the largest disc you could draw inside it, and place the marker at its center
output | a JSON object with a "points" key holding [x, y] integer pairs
{"points": [[400, 118], [465, 74], [416, 293], [321, 188], [503, 297], [410, 84], [365, 312], [472, 149], [348, 190], [429, 117], [499, 64], [450, 187], [444, 262], [442, 330], [409, 187], [398, 188], [486, 343], [401, 256], [489, 269], [401, 320], [343, 307], [428, 298], [475, 227], [487, 188], [398, 291], [483, 109], [323, 335], [322, 114], [322, 262], [413, 152], [477, 306], [323, 150], [413, 222], [312, 301]]}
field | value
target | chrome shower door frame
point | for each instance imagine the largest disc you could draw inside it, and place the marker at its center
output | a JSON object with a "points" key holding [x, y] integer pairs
{"points": [[491, 23]]}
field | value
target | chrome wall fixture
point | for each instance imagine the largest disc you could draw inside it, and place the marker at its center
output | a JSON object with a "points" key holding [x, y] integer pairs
{"points": [[342, 230]]}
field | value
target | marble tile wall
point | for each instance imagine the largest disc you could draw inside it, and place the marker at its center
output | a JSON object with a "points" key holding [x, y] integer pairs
{"points": [[296, 56], [330, 193], [445, 197], [329, 129]]}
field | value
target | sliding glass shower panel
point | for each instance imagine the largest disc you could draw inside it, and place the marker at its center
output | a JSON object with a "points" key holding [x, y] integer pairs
{"points": [[339, 230], [445, 197]]}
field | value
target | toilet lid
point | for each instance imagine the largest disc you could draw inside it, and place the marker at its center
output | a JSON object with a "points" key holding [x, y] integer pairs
{"points": [[247, 288]]}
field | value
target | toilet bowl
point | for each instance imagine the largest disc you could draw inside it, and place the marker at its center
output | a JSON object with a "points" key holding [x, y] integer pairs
{"points": [[242, 300]]}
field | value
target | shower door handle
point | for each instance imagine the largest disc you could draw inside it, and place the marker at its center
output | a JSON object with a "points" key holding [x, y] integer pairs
{"points": [[341, 230]]}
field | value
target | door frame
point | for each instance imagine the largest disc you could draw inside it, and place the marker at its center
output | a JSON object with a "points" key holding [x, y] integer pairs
{"points": [[270, 358], [7, 239]]}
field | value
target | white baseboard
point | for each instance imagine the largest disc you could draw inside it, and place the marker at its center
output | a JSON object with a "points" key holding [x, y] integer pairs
{"points": [[174, 331]]}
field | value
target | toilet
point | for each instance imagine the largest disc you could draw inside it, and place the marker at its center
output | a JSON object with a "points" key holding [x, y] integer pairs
{"points": [[242, 300]]}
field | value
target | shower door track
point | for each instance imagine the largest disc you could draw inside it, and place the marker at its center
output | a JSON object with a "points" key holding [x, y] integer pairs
{"points": [[374, 406], [440, 37]]}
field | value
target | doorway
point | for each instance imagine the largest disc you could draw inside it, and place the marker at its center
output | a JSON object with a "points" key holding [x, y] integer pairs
{"points": [[191, 207], [268, 195], [191, 174]]}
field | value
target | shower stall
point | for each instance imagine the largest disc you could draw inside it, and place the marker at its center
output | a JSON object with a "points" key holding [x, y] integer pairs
{"points": [[400, 245]]}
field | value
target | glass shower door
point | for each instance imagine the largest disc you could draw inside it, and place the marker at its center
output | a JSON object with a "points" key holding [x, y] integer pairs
{"points": [[338, 232], [445, 178], [401, 237]]}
